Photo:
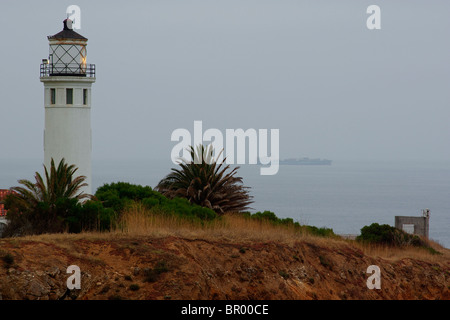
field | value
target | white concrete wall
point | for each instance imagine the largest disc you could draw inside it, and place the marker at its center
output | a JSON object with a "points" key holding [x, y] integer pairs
{"points": [[67, 132], [3, 223]]}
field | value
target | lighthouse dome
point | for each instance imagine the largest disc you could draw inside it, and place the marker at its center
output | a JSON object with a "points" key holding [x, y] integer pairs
{"points": [[67, 53], [67, 32]]}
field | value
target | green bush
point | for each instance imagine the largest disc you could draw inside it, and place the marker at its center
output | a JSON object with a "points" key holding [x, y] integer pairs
{"points": [[266, 215], [91, 216], [65, 214], [150, 275], [388, 235], [182, 207], [322, 232], [71, 215], [284, 274], [134, 287], [118, 196], [272, 218], [161, 267], [8, 260], [43, 217]]}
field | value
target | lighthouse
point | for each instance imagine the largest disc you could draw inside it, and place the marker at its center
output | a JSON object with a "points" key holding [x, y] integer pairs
{"points": [[67, 80]]}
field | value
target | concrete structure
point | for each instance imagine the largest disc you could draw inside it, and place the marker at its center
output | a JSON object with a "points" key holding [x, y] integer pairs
{"points": [[3, 223], [67, 99], [415, 225]]}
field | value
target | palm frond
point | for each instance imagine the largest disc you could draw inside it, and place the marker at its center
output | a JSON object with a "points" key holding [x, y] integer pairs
{"points": [[206, 182]]}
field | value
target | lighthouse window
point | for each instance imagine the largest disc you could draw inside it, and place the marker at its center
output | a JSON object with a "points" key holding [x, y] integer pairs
{"points": [[52, 96], [85, 96], [69, 96]]}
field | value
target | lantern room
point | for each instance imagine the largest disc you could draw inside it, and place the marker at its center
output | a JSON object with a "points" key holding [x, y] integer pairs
{"points": [[67, 54]]}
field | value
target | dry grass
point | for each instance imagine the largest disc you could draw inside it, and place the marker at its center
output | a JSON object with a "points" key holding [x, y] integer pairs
{"points": [[138, 222], [398, 253]]}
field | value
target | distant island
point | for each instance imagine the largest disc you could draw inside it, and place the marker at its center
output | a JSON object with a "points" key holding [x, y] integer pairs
{"points": [[306, 161]]}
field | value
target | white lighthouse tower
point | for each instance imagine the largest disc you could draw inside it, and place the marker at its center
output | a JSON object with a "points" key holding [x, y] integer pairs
{"points": [[67, 85]]}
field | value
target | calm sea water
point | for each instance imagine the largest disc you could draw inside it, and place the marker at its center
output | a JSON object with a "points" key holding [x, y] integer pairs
{"points": [[344, 196]]}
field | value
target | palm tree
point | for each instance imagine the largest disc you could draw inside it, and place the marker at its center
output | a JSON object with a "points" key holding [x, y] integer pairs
{"points": [[43, 205], [205, 182], [59, 183]]}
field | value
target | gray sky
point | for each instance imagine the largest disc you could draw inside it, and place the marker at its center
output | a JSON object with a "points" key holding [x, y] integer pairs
{"points": [[309, 68]]}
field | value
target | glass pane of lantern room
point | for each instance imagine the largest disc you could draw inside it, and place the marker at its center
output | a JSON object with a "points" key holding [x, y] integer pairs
{"points": [[73, 53], [66, 58]]}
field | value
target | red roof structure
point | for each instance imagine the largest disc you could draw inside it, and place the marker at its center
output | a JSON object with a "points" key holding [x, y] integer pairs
{"points": [[3, 194]]}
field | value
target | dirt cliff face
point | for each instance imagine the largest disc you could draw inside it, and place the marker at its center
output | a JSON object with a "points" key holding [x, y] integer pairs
{"points": [[180, 268]]}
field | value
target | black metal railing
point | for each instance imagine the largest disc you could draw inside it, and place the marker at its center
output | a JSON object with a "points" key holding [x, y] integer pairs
{"points": [[73, 69]]}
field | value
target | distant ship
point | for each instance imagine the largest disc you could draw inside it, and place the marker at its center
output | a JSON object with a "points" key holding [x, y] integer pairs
{"points": [[306, 161]]}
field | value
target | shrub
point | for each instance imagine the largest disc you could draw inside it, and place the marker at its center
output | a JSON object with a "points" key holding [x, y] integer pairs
{"points": [[66, 215], [433, 251], [8, 260], [325, 262], [134, 287], [376, 233], [152, 275], [388, 235], [121, 195], [161, 267], [90, 216], [118, 195], [284, 274], [322, 232], [266, 215], [182, 207], [272, 218]]}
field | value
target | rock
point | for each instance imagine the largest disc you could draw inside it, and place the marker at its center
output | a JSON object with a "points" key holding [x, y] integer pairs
{"points": [[49, 282], [37, 289], [53, 272], [54, 296]]}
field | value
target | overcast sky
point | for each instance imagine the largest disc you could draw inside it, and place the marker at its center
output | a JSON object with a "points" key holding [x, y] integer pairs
{"points": [[311, 69]]}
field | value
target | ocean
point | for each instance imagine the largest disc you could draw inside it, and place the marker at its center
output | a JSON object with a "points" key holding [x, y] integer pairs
{"points": [[345, 196]]}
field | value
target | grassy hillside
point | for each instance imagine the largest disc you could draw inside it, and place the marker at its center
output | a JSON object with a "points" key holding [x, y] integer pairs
{"points": [[153, 256]]}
